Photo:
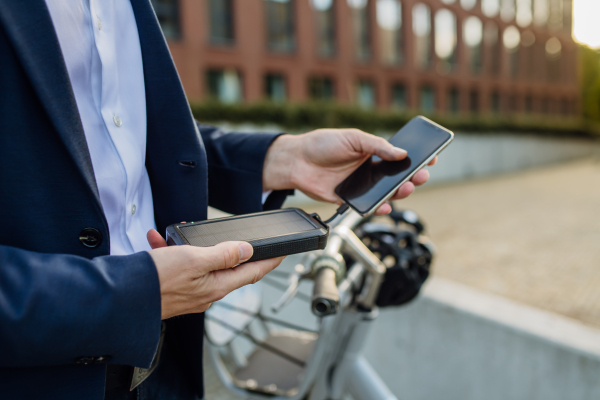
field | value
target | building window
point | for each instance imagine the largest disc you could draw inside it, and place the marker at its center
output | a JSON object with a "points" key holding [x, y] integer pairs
{"points": [[545, 105], [529, 54], [389, 20], [275, 87], [321, 88], [507, 10], [399, 97], [524, 13], [361, 29], [454, 101], [167, 12], [529, 104], [564, 107], [224, 85], [474, 101], [555, 14], [427, 100], [421, 22], [325, 24], [221, 22], [280, 25], [490, 8], [445, 40], [512, 103], [553, 57], [512, 39], [568, 17], [468, 4], [540, 12], [492, 46], [495, 102], [473, 37], [365, 94]]}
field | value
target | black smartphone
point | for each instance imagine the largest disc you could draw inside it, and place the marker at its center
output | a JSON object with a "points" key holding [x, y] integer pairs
{"points": [[376, 180], [271, 233]]}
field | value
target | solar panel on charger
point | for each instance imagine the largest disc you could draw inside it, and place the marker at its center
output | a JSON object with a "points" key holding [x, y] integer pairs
{"points": [[271, 233]]}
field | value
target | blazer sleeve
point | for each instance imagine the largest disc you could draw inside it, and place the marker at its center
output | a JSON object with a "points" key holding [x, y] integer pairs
{"points": [[60, 309], [235, 169]]}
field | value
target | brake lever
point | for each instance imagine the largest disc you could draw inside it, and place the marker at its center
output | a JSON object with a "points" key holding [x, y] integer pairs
{"points": [[301, 272]]}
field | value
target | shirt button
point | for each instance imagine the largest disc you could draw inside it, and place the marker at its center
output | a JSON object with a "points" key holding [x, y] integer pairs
{"points": [[133, 209], [99, 23], [117, 120]]}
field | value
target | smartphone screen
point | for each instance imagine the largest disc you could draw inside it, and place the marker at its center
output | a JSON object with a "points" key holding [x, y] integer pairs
{"points": [[375, 179]]}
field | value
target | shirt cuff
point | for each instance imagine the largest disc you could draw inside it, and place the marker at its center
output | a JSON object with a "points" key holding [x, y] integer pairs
{"points": [[265, 195]]}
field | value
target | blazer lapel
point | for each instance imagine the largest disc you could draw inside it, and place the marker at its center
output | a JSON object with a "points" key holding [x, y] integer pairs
{"points": [[165, 95], [29, 26], [172, 132]]}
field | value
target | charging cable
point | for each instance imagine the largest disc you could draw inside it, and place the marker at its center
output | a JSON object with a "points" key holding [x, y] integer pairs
{"points": [[341, 210]]}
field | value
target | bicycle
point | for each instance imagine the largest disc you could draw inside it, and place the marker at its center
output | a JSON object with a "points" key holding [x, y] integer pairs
{"points": [[368, 263]]}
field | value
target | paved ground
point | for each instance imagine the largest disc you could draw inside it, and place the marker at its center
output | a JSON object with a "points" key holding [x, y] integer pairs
{"points": [[213, 388], [533, 237]]}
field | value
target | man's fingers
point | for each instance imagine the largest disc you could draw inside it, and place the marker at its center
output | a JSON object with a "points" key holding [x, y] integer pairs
{"points": [[384, 209], [420, 177], [404, 191], [433, 162], [245, 274], [155, 240], [369, 144]]}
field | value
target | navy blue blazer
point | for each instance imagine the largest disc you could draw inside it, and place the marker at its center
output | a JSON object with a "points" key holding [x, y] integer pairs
{"points": [[60, 300]]}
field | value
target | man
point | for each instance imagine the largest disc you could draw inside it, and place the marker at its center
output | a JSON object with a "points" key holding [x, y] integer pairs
{"points": [[98, 151]]}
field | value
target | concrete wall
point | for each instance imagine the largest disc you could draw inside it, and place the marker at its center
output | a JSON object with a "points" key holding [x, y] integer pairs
{"points": [[476, 155], [455, 342]]}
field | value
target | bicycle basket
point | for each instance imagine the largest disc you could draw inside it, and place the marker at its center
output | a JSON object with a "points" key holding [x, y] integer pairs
{"points": [[397, 241]]}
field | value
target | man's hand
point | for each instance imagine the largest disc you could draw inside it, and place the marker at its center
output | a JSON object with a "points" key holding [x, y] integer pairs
{"points": [[191, 278], [316, 162]]}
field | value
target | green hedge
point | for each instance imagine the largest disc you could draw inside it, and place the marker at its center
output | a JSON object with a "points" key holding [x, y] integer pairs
{"points": [[330, 115]]}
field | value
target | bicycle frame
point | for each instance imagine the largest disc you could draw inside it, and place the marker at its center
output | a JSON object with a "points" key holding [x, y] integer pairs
{"points": [[336, 366]]}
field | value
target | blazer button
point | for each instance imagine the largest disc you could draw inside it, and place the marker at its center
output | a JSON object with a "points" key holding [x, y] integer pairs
{"points": [[90, 237]]}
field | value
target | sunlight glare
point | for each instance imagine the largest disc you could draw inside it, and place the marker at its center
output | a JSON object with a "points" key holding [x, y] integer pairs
{"points": [[585, 22]]}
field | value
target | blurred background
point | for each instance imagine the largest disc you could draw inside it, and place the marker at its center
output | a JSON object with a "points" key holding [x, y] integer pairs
{"points": [[512, 310]]}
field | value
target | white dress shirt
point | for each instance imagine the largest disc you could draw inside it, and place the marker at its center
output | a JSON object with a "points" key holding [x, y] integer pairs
{"points": [[101, 48]]}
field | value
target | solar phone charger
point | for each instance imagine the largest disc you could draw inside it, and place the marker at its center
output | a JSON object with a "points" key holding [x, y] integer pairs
{"points": [[271, 233]]}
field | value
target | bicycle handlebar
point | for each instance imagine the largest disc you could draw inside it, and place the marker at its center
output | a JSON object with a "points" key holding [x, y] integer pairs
{"points": [[325, 298]]}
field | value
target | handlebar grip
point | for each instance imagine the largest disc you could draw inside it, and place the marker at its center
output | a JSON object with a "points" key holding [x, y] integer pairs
{"points": [[325, 298]]}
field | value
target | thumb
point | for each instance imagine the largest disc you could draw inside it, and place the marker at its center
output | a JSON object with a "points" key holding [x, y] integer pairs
{"points": [[227, 255], [371, 144], [155, 240]]}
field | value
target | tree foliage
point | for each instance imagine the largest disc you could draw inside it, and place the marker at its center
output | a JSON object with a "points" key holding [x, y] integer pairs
{"points": [[304, 116], [590, 82]]}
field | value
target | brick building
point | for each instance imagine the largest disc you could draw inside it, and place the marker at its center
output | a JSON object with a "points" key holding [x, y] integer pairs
{"points": [[454, 56]]}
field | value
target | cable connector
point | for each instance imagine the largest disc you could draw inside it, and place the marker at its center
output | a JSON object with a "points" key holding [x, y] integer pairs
{"points": [[341, 210]]}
